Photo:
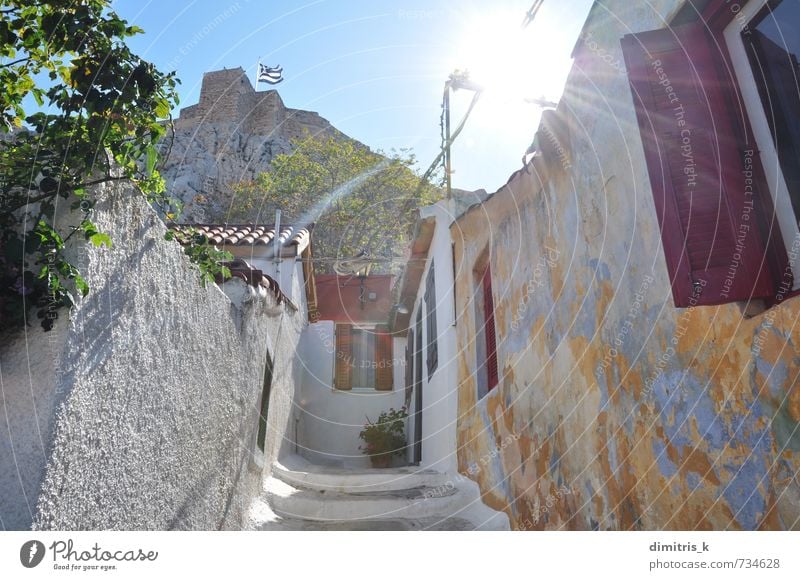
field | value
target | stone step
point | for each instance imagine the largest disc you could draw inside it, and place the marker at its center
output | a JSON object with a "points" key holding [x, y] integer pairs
{"points": [[298, 502], [298, 472], [431, 504], [262, 518]]}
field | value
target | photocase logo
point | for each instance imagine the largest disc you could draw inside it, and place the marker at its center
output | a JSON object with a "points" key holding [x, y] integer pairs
{"points": [[32, 553]]}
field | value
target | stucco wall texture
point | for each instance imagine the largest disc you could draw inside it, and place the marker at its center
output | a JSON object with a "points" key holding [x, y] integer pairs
{"points": [[615, 410], [146, 395]]}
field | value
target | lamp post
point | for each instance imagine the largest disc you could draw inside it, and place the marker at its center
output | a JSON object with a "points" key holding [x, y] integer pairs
{"points": [[457, 80], [460, 80]]}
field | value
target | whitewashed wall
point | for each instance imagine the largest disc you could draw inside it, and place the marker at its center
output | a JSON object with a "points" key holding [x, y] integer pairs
{"points": [[330, 419], [140, 410], [440, 397], [288, 272]]}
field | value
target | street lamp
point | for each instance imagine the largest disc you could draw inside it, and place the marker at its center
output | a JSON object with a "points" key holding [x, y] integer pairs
{"points": [[457, 80], [460, 80]]}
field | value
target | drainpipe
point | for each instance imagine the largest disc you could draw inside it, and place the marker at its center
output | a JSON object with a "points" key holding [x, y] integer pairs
{"points": [[276, 247], [448, 170]]}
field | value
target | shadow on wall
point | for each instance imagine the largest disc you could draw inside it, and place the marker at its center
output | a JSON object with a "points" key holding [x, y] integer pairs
{"points": [[145, 395]]}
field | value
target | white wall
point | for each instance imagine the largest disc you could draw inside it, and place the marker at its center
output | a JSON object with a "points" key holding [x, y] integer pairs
{"points": [[439, 392], [140, 410], [288, 272], [27, 411], [330, 419]]}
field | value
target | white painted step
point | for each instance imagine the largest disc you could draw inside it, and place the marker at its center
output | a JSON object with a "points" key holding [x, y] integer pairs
{"points": [[262, 518], [299, 472], [389, 497], [297, 502]]}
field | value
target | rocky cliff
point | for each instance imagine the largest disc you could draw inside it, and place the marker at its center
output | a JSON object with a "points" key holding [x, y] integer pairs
{"points": [[230, 135]]}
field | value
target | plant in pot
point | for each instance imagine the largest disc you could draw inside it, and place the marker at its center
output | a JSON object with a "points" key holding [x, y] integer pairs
{"points": [[385, 437]]}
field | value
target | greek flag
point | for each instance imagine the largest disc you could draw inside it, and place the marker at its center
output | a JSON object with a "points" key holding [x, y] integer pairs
{"points": [[271, 75]]}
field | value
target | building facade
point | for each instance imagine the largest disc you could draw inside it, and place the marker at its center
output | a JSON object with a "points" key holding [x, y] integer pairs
{"points": [[352, 368], [627, 339]]}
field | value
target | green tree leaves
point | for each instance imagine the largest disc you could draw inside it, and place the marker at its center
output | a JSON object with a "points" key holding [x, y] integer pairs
{"points": [[359, 200], [101, 111]]}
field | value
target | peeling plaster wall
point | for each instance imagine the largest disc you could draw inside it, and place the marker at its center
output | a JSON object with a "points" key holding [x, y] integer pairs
{"points": [[615, 410], [140, 410]]}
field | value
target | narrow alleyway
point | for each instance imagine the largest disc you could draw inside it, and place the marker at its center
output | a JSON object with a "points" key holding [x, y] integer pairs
{"points": [[304, 496]]}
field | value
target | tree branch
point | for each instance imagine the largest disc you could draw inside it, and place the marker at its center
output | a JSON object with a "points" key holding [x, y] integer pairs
{"points": [[18, 61], [44, 196]]}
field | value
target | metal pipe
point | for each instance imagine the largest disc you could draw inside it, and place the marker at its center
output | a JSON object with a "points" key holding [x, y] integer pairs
{"points": [[276, 242], [447, 166]]}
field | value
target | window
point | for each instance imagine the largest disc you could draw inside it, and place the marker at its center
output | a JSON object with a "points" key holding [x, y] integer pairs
{"points": [[763, 42], [717, 219], [264, 407], [363, 358], [455, 278], [485, 337], [430, 303], [363, 344], [772, 50]]}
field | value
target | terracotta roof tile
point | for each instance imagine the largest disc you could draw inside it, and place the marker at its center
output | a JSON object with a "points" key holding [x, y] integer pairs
{"points": [[244, 236], [249, 235]]}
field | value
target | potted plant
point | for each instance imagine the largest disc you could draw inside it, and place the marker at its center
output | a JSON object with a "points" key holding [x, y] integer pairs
{"points": [[385, 437]]}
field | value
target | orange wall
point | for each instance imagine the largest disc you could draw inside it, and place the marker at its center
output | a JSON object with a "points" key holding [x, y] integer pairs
{"points": [[338, 298]]}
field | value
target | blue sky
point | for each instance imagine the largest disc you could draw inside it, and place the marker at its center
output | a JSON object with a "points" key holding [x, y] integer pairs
{"points": [[376, 69]]}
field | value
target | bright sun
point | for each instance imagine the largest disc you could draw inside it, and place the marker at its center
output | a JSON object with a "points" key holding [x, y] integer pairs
{"points": [[511, 63]]}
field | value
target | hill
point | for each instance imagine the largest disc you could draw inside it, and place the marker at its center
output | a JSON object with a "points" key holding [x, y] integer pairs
{"points": [[231, 135]]}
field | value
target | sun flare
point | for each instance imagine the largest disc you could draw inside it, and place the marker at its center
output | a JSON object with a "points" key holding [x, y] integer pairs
{"points": [[510, 63]]}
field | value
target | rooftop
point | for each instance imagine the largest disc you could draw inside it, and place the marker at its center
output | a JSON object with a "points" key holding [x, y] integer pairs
{"points": [[249, 235]]}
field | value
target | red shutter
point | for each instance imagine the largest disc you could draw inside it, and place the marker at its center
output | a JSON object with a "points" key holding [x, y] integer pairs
{"points": [[344, 357], [706, 209], [383, 359], [489, 330]]}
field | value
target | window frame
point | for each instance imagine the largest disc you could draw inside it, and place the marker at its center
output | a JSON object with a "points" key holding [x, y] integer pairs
{"points": [[376, 331], [263, 408], [763, 256], [767, 152], [409, 370], [487, 375]]}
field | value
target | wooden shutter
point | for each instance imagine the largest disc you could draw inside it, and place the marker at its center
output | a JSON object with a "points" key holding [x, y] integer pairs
{"points": [[489, 330], [430, 304], [696, 163], [344, 357], [383, 359]]}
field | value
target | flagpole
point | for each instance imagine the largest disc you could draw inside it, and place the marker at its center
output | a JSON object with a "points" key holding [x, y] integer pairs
{"points": [[258, 70]]}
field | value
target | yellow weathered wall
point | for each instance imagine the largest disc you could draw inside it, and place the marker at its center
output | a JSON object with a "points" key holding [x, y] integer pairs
{"points": [[615, 410]]}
